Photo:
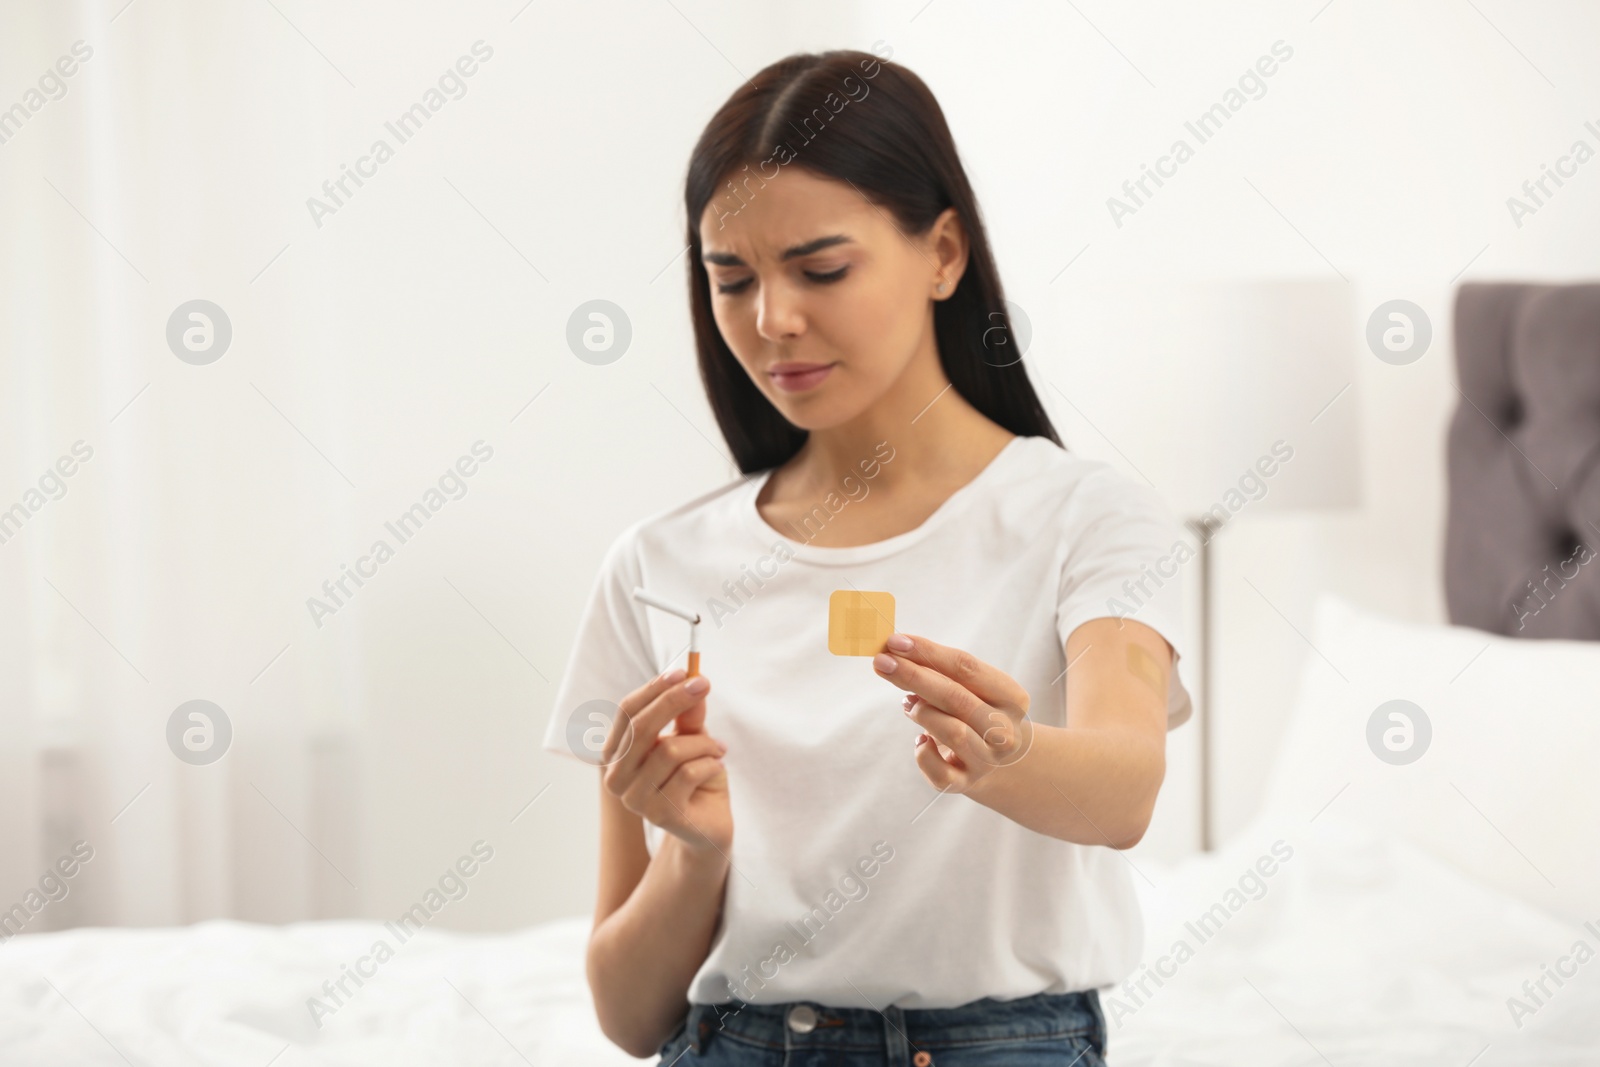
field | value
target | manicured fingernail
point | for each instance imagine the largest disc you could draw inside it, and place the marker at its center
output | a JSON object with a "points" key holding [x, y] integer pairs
{"points": [[676, 674], [909, 709], [697, 685], [721, 748], [899, 642], [920, 739], [884, 662]]}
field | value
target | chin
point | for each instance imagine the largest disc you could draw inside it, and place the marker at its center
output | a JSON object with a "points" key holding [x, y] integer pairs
{"points": [[820, 413], [805, 419]]}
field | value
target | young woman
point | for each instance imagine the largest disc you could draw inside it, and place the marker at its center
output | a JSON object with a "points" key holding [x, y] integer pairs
{"points": [[810, 857]]}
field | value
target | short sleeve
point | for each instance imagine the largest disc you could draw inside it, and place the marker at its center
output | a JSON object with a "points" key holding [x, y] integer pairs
{"points": [[610, 658], [1125, 560]]}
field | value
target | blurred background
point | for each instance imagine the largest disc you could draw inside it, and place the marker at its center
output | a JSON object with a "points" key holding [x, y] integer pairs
{"points": [[355, 345]]}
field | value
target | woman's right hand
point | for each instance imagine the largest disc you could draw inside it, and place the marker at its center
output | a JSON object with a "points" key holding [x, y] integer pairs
{"points": [[676, 781]]}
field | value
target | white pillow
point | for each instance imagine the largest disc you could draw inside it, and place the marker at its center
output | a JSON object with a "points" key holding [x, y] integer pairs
{"points": [[1505, 789]]}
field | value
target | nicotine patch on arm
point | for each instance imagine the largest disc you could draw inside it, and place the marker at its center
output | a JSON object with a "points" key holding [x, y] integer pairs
{"points": [[1143, 666]]}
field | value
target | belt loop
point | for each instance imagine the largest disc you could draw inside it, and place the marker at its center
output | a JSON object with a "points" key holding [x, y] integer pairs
{"points": [[895, 1041], [704, 1019], [1099, 1018], [692, 1025]]}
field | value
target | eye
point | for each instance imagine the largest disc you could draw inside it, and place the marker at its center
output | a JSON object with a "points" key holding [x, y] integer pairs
{"points": [[740, 286]]}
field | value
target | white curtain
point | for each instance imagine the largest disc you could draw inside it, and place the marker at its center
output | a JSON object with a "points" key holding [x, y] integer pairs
{"points": [[373, 350], [156, 572]]}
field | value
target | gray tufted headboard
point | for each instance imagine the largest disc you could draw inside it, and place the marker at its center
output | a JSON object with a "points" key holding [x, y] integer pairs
{"points": [[1522, 533]]}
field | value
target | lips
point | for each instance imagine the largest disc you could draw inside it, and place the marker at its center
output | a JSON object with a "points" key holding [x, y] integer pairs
{"points": [[799, 377]]}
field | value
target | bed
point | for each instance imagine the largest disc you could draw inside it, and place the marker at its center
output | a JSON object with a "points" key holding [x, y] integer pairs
{"points": [[1421, 889]]}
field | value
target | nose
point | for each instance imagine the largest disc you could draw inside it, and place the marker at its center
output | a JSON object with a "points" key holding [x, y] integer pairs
{"points": [[778, 313]]}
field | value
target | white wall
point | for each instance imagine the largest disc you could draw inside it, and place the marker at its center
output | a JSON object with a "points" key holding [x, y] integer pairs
{"points": [[422, 317], [1390, 140]]}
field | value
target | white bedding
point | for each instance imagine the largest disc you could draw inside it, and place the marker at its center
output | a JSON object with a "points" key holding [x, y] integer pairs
{"points": [[1361, 950], [1420, 896], [233, 993]]}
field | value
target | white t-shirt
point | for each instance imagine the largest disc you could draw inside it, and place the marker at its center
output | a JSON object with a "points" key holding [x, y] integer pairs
{"points": [[853, 882]]}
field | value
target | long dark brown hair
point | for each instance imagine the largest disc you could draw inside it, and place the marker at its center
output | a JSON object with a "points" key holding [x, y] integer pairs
{"points": [[851, 116]]}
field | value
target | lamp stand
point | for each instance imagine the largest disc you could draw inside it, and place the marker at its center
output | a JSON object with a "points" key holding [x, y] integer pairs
{"points": [[1205, 528]]}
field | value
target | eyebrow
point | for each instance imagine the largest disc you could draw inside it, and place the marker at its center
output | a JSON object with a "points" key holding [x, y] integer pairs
{"points": [[728, 259]]}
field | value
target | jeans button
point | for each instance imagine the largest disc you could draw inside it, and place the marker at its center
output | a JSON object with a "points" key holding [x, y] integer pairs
{"points": [[802, 1019]]}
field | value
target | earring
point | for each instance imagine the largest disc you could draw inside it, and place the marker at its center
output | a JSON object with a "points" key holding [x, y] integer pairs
{"points": [[941, 287]]}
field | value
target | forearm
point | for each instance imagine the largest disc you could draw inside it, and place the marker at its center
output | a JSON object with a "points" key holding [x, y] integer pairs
{"points": [[1091, 787], [642, 958]]}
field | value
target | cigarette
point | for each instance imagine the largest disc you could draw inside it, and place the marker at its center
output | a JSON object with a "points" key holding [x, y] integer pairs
{"points": [[693, 618]]}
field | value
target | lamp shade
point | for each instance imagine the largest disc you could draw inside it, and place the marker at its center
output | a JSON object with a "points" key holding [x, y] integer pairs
{"points": [[1236, 394]]}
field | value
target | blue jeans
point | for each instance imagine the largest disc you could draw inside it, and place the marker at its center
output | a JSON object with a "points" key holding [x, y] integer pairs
{"points": [[1043, 1030]]}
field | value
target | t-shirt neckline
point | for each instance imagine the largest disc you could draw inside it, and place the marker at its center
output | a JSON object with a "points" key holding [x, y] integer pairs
{"points": [[804, 550]]}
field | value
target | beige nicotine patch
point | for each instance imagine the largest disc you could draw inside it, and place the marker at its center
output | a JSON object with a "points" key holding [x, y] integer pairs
{"points": [[859, 622], [1143, 666]]}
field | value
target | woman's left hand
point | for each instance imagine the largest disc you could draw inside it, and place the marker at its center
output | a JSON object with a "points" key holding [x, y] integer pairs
{"points": [[975, 714]]}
